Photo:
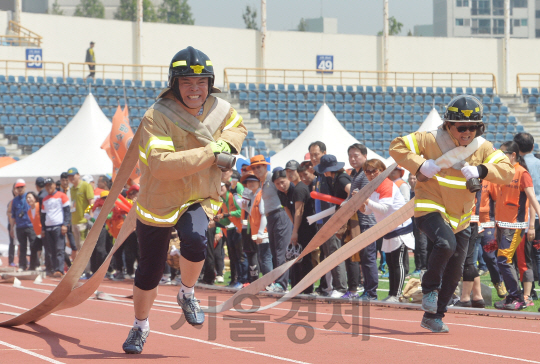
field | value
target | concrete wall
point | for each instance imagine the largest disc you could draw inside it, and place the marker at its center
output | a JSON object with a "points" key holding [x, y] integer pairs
{"points": [[66, 39]]}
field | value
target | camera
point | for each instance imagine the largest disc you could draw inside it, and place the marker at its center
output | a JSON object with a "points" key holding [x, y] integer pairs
{"points": [[225, 160]]}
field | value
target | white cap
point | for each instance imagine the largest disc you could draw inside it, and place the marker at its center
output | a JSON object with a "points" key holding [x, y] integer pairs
{"points": [[87, 178], [20, 183]]}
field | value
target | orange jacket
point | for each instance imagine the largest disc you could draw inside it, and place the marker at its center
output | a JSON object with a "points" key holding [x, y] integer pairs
{"points": [[255, 215], [36, 220], [512, 206], [487, 204]]}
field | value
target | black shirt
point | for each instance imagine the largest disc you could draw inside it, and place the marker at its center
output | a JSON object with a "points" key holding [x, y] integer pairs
{"points": [[340, 181], [302, 194], [287, 199]]}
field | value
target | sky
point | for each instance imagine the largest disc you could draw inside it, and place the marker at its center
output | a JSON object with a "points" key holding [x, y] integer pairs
{"points": [[354, 16]]}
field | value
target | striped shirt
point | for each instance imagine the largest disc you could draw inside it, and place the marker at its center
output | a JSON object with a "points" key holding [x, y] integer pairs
{"points": [[359, 181]]}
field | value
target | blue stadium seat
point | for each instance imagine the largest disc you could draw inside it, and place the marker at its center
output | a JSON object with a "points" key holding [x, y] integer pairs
{"points": [[429, 90], [512, 120], [282, 106], [301, 88], [302, 117], [33, 90], [418, 99], [494, 110], [459, 91], [388, 109], [377, 118], [38, 110], [17, 99], [6, 99], [504, 110], [419, 90], [51, 121], [368, 108]]}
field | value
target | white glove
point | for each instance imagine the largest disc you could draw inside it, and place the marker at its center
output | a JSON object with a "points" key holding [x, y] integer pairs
{"points": [[429, 168], [470, 172]]}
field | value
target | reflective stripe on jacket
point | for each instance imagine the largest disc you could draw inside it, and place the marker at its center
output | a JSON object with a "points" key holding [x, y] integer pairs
{"points": [[446, 192]]}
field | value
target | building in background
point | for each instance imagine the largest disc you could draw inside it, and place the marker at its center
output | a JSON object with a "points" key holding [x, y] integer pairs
{"points": [[423, 30], [322, 25], [485, 18]]}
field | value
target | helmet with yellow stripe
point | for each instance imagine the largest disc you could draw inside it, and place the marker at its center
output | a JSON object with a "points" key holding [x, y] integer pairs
{"points": [[465, 109], [191, 62]]}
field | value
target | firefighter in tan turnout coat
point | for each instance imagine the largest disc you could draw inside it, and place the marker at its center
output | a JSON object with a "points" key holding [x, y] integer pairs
{"points": [[183, 137], [447, 163]]}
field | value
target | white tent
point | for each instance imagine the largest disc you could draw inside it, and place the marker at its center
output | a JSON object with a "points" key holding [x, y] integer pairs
{"points": [[432, 122], [325, 128], [77, 145]]}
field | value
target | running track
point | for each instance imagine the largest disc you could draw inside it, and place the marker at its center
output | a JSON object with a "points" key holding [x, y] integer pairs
{"points": [[96, 329]]}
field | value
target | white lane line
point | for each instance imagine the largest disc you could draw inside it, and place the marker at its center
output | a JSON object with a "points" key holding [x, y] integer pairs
{"points": [[169, 335], [173, 304], [18, 348], [418, 343]]}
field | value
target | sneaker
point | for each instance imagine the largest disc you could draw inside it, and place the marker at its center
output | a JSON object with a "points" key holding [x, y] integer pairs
{"points": [[499, 305], [237, 285], [429, 301], [278, 288], [367, 297], [177, 281], [13, 264], [482, 272], [416, 273], [501, 289], [86, 276], [245, 284], [391, 299], [351, 295], [165, 281], [385, 275], [118, 277], [461, 303], [192, 311], [528, 302], [135, 341], [58, 274], [336, 294], [219, 279], [270, 287], [434, 325], [514, 305]]}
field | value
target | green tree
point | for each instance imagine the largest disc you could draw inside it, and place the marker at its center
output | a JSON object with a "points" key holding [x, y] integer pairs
{"points": [[55, 9], [176, 12], [302, 25], [249, 18], [394, 27], [128, 11], [90, 9]]}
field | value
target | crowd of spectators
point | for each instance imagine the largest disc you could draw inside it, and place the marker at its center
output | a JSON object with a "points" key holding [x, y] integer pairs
{"points": [[263, 222], [49, 225]]}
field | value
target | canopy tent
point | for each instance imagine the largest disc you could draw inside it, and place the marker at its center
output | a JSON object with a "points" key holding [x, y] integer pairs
{"points": [[77, 145], [6, 161], [325, 128], [432, 122]]}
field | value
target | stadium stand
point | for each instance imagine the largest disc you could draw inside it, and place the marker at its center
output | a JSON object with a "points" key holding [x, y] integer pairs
{"points": [[34, 110]]}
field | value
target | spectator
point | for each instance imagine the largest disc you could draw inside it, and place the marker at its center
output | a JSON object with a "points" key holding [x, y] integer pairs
{"points": [[82, 196], [104, 183], [396, 176], [114, 224], [525, 142], [34, 215], [285, 191], [279, 225], [72, 249], [303, 232], [91, 60], [40, 187], [339, 185], [291, 168], [511, 217], [25, 231], [368, 256], [57, 219], [11, 226], [229, 216], [236, 188], [420, 239]]}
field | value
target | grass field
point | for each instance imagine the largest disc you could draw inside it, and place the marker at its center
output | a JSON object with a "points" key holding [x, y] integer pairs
{"points": [[384, 286]]}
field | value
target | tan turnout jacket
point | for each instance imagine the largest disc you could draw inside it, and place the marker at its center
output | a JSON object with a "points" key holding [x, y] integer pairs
{"points": [[446, 191], [177, 170]]}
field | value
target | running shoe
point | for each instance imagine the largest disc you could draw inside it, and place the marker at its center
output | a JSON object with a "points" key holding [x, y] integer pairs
{"points": [[245, 284], [391, 299], [482, 272], [177, 281], [416, 273], [514, 305], [278, 288], [270, 287], [336, 294], [528, 302], [478, 303], [366, 297], [429, 301], [501, 289], [434, 325], [351, 295], [58, 274], [165, 281], [192, 310], [219, 279], [385, 275], [119, 276], [237, 285], [499, 305], [135, 341]]}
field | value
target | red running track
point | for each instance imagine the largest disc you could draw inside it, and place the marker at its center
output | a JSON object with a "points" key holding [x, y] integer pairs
{"points": [[96, 329]]}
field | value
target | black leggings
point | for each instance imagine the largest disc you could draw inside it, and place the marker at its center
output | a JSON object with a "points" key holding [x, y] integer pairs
{"points": [[154, 245], [251, 249], [397, 269]]}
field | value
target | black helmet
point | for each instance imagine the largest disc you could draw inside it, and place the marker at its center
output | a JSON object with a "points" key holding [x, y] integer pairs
{"points": [[190, 62], [465, 108]]}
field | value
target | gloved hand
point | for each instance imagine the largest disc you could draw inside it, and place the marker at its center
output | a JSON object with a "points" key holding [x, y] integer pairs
{"points": [[470, 172], [429, 168], [220, 146]]}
